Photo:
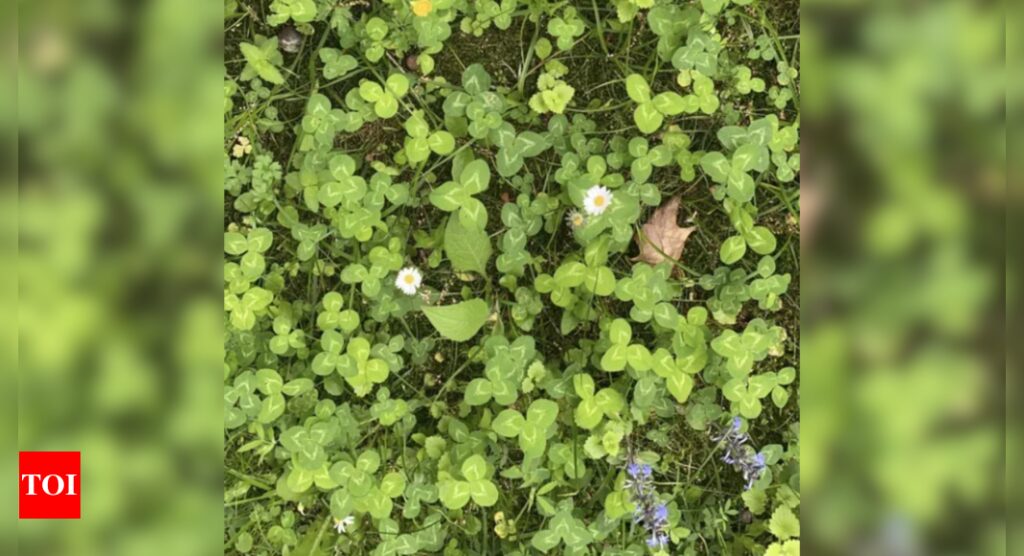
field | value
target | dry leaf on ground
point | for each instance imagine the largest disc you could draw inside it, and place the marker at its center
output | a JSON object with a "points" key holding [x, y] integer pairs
{"points": [[661, 234]]}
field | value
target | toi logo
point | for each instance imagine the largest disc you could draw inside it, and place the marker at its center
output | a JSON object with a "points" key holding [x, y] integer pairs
{"points": [[49, 485]]}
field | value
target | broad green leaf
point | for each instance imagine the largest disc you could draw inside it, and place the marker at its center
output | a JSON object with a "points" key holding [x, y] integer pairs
{"points": [[716, 165], [532, 439], [468, 249], [784, 524], [614, 359], [460, 321]]}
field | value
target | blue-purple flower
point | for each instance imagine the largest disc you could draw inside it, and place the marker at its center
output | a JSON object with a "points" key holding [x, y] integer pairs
{"points": [[649, 513], [738, 454]]}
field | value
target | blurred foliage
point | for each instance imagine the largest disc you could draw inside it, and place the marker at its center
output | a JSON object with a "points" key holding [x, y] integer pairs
{"points": [[902, 206], [118, 314]]}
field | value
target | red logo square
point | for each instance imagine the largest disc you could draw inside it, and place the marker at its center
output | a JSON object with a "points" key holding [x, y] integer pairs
{"points": [[49, 485]]}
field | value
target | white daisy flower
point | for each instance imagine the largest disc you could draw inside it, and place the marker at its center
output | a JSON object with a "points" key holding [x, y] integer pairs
{"points": [[409, 279], [575, 219], [597, 200], [342, 525]]}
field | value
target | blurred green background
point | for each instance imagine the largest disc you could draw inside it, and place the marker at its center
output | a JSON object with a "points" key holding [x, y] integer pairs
{"points": [[903, 213], [119, 310], [115, 138]]}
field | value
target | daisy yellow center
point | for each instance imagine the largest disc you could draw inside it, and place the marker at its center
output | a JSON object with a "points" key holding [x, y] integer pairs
{"points": [[409, 279], [577, 220], [599, 201], [422, 7]]}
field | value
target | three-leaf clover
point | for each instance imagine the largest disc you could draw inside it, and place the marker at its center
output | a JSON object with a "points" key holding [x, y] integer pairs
{"points": [[734, 172], [622, 351], [455, 494], [244, 310], [320, 122], [359, 369], [742, 350], [703, 97], [563, 528], [593, 407], [328, 360], [299, 11], [595, 276], [385, 98], [421, 141], [285, 337], [533, 430], [513, 149], [566, 28], [251, 247], [332, 317], [745, 83], [346, 187], [336, 63], [651, 112], [457, 195]]}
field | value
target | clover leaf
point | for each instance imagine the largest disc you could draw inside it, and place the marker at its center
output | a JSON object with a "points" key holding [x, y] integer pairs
{"points": [[533, 430], [299, 11], [421, 141], [384, 98], [457, 195], [286, 339], [622, 351], [244, 310], [359, 489], [332, 317], [745, 83], [251, 247], [594, 407], [455, 494], [562, 528], [566, 28], [359, 369], [650, 112], [503, 373], [336, 63]]}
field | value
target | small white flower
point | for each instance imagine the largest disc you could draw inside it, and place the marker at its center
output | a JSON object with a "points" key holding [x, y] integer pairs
{"points": [[342, 525], [409, 279], [575, 219], [597, 199]]}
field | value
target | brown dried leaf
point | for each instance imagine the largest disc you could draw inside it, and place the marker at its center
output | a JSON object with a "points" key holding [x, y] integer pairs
{"points": [[661, 236]]}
